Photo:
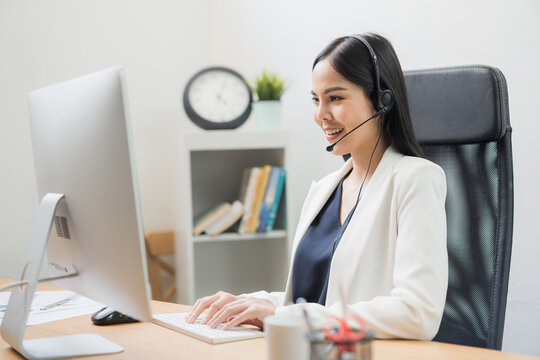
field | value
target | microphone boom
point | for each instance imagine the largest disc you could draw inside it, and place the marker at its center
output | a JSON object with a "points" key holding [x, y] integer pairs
{"points": [[330, 147]]}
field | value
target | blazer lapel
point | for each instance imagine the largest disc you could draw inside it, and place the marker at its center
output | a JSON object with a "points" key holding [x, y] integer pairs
{"points": [[352, 244]]}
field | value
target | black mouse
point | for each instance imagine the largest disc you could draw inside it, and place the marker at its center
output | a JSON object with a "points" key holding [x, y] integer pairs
{"points": [[109, 316]]}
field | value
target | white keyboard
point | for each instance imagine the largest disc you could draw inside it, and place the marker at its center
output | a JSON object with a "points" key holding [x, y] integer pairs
{"points": [[177, 322]]}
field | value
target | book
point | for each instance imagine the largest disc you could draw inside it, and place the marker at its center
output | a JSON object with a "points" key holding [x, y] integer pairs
{"points": [[209, 217], [272, 198], [277, 199], [249, 196], [228, 220], [253, 220], [244, 186]]}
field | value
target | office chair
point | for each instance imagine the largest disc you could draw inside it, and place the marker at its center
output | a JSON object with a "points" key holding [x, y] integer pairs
{"points": [[460, 117], [159, 243]]}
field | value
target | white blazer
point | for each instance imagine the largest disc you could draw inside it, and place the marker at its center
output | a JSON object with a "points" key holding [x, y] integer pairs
{"points": [[393, 252]]}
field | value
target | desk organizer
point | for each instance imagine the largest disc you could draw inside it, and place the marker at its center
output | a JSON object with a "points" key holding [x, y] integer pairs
{"points": [[323, 349]]}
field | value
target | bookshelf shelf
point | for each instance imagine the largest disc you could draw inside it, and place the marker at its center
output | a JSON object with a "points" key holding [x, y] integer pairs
{"points": [[276, 234], [211, 166]]}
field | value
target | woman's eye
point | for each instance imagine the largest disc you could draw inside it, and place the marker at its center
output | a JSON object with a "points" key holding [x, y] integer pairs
{"points": [[335, 98], [315, 100]]}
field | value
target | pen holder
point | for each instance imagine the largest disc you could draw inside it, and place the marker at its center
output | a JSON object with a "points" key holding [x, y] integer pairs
{"points": [[324, 349]]}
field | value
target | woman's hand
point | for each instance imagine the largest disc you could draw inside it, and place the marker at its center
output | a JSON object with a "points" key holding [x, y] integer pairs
{"points": [[233, 310]]}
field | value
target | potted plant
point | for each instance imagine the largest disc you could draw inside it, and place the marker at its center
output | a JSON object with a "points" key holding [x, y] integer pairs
{"points": [[267, 109]]}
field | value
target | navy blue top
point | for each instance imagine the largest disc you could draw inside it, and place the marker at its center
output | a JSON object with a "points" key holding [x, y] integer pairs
{"points": [[313, 256]]}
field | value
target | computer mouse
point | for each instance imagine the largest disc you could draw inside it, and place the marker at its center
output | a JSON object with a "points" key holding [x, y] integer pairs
{"points": [[109, 316]]}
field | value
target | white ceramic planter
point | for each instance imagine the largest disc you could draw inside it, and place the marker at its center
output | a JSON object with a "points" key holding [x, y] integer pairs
{"points": [[267, 115]]}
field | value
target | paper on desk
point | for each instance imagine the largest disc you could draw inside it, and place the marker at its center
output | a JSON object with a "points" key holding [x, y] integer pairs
{"points": [[50, 306]]}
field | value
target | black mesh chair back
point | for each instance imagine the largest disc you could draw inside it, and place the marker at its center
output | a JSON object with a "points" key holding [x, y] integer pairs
{"points": [[460, 117]]}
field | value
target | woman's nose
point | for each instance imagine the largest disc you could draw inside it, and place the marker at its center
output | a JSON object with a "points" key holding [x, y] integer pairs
{"points": [[322, 112]]}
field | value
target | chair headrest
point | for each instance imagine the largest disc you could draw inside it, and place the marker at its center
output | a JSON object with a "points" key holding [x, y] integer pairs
{"points": [[458, 105]]}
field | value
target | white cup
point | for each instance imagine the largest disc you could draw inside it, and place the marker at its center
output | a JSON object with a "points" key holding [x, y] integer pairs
{"points": [[286, 338]]}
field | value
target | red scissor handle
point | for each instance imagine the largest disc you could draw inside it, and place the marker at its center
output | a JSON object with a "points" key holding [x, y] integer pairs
{"points": [[344, 332]]}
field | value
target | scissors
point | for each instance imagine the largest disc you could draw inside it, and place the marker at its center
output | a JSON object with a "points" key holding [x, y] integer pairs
{"points": [[350, 330]]}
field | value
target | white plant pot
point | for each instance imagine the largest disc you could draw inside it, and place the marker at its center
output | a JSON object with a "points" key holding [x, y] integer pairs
{"points": [[267, 115]]}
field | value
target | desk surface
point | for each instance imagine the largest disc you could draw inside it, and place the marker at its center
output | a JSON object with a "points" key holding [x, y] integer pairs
{"points": [[149, 341]]}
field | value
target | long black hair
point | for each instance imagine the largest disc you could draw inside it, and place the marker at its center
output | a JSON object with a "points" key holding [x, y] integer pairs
{"points": [[352, 60]]}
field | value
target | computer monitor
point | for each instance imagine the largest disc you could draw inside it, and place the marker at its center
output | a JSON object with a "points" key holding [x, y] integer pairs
{"points": [[89, 221]]}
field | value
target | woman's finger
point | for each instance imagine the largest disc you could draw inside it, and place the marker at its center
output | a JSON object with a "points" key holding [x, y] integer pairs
{"points": [[217, 306], [254, 314], [201, 305], [231, 309], [243, 317], [219, 312]]}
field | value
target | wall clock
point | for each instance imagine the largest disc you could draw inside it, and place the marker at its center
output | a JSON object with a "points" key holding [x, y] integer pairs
{"points": [[217, 98]]}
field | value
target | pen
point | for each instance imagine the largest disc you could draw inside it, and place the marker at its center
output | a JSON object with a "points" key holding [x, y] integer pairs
{"points": [[303, 301], [55, 304], [316, 341]]}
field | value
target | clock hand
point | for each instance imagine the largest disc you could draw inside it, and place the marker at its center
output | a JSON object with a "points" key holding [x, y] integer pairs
{"points": [[223, 84], [221, 99]]}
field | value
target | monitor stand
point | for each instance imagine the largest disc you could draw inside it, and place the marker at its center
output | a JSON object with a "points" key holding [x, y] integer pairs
{"points": [[16, 313]]}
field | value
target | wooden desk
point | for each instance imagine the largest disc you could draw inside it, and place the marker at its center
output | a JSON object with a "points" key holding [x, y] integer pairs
{"points": [[150, 341]]}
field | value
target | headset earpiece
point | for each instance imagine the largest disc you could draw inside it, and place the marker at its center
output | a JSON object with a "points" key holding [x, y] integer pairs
{"points": [[386, 99]]}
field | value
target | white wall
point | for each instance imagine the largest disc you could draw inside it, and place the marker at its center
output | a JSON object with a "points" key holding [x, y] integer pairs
{"points": [[162, 43]]}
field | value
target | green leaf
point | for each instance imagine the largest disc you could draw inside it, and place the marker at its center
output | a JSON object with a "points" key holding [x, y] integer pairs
{"points": [[269, 86]]}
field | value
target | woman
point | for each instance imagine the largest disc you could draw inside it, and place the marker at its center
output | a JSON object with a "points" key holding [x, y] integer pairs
{"points": [[377, 226]]}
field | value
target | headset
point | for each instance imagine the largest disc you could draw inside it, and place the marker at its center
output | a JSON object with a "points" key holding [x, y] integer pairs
{"points": [[382, 99]]}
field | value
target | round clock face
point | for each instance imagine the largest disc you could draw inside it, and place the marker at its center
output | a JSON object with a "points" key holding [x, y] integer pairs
{"points": [[217, 98]]}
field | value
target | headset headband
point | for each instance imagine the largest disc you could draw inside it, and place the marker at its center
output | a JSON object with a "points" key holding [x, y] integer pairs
{"points": [[384, 98]]}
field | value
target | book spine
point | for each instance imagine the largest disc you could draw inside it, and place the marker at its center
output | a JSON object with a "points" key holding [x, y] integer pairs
{"points": [[259, 196], [250, 195], [277, 198], [268, 199]]}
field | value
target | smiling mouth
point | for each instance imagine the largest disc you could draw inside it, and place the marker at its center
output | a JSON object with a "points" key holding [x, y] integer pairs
{"points": [[333, 132]]}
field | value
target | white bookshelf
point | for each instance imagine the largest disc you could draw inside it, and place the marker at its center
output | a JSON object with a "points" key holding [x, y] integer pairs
{"points": [[276, 234], [211, 168]]}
